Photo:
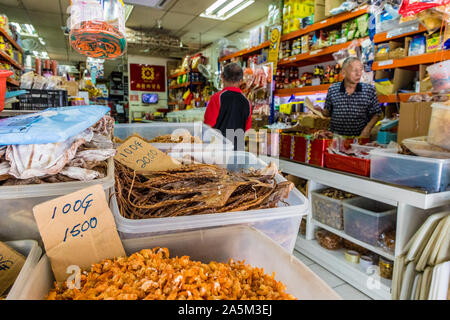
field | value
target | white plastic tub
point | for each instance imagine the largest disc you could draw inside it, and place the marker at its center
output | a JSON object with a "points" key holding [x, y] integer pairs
{"points": [[17, 202], [428, 174], [218, 244], [212, 139], [31, 250], [280, 224]]}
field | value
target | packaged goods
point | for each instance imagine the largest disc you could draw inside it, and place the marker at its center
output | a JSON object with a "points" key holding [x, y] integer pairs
{"points": [[412, 7], [439, 130], [440, 76], [417, 45], [354, 247], [144, 273], [327, 206], [328, 240], [387, 240], [386, 268]]}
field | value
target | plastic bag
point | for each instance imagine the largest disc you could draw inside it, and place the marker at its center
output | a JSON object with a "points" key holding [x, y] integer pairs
{"points": [[431, 19], [26, 80], [49, 126], [413, 7]]}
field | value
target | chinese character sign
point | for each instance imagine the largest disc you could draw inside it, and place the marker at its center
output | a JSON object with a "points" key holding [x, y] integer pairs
{"points": [[145, 77]]}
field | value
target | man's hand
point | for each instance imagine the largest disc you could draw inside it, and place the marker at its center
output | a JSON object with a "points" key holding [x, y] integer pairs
{"points": [[365, 133]]}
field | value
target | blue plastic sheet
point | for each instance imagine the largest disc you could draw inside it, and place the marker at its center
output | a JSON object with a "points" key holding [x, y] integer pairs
{"points": [[49, 126]]}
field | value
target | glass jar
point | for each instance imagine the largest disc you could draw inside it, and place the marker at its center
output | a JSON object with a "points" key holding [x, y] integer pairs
{"points": [[386, 268]]}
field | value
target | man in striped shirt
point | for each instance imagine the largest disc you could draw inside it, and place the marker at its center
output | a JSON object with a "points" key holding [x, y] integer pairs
{"points": [[353, 106]]}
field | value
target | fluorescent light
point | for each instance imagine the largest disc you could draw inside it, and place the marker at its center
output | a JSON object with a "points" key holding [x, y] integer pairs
{"points": [[229, 6], [245, 5], [214, 6]]}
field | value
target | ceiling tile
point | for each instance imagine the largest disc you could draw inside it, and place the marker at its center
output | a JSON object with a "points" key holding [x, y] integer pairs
{"points": [[176, 21], [16, 15], [253, 12], [191, 7], [46, 19], [50, 6], [9, 3], [227, 27], [144, 17]]}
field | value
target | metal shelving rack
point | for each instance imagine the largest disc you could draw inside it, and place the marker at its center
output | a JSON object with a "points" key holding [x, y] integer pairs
{"points": [[413, 207]]}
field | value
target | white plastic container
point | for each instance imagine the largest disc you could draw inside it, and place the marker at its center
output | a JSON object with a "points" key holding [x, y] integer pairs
{"points": [[31, 250], [280, 224], [218, 244], [212, 139], [17, 202], [428, 174], [439, 129], [421, 147], [440, 76]]}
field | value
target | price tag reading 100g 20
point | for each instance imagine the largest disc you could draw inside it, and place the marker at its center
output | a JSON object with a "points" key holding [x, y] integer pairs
{"points": [[139, 155]]}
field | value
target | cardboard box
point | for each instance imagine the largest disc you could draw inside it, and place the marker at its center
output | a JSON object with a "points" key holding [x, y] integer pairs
{"points": [[414, 120], [319, 11], [401, 79], [331, 4], [425, 81]]}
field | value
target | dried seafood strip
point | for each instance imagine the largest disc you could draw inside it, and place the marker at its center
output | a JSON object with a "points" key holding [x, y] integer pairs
{"points": [[151, 274], [196, 189]]}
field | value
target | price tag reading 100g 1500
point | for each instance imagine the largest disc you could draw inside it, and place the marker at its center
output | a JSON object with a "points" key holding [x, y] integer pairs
{"points": [[139, 155]]}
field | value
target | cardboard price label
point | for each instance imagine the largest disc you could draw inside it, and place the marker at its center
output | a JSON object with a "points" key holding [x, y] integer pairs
{"points": [[78, 230], [11, 262], [139, 155]]}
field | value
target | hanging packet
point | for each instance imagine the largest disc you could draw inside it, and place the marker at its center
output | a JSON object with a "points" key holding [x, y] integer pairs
{"points": [[49, 126]]}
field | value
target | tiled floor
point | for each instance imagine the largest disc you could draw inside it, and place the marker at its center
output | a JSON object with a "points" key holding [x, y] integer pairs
{"points": [[346, 291]]}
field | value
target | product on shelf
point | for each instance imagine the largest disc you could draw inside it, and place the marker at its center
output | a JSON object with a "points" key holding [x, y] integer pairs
{"points": [[352, 256], [153, 275], [386, 268], [420, 147], [328, 240], [196, 189], [440, 76], [386, 240], [439, 129], [303, 226], [327, 207], [353, 246]]}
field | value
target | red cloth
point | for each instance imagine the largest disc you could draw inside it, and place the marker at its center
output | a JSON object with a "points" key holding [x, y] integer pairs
{"points": [[212, 110]]}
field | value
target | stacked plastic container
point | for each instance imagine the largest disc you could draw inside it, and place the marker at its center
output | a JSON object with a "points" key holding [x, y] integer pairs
{"points": [[217, 244], [212, 139], [281, 224]]}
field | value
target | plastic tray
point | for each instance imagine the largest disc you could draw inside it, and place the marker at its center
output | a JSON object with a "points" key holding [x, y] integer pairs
{"points": [[218, 244], [327, 210], [17, 202], [365, 219], [31, 250], [431, 175], [212, 139], [348, 164], [281, 224]]}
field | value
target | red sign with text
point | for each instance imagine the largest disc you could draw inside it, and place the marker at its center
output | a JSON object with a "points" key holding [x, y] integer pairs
{"points": [[144, 77]]}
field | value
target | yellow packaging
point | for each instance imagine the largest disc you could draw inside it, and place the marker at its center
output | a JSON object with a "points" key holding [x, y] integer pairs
{"points": [[433, 44]]}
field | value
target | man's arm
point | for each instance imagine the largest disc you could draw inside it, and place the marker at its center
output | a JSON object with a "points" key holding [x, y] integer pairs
{"points": [[374, 110], [366, 131]]}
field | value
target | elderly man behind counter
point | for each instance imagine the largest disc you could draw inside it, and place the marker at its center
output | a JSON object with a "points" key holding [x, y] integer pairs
{"points": [[353, 106]]}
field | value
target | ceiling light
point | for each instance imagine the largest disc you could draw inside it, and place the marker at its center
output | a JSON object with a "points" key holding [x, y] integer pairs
{"points": [[222, 10], [42, 41]]}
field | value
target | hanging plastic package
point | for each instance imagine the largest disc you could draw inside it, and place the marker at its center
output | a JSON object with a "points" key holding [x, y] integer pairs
{"points": [[97, 28], [413, 7], [49, 126]]}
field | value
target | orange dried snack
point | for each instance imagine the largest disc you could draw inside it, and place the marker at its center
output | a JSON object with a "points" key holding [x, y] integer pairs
{"points": [[152, 275]]}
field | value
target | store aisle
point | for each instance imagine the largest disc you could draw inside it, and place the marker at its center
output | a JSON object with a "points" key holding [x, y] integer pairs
{"points": [[346, 291]]}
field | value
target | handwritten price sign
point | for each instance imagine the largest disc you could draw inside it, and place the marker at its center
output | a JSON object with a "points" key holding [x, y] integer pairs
{"points": [[139, 155], [78, 229]]}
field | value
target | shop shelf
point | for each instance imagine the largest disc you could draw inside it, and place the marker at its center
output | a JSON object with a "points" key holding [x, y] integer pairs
{"points": [[10, 39], [342, 234], [281, 224], [426, 58], [316, 56], [386, 36], [10, 60], [303, 90], [428, 174], [212, 139], [401, 97], [217, 244], [13, 82], [176, 75], [365, 219], [31, 250], [348, 164], [326, 23], [245, 51], [184, 85], [327, 210], [17, 202]]}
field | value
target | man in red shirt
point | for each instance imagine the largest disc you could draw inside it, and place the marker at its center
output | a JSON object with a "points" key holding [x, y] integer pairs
{"points": [[229, 110]]}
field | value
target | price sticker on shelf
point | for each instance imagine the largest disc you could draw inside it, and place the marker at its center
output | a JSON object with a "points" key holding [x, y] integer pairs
{"points": [[78, 230], [311, 53], [385, 63], [139, 155]]}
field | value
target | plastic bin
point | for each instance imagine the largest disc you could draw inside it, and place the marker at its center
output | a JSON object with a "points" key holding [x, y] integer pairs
{"points": [[273, 143], [428, 174], [42, 99], [281, 224], [3, 75], [327, 210], [365, 219], [17, 202], [31, 250], [439, 129], [348, 164], [212, 139], [217, 244]]}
